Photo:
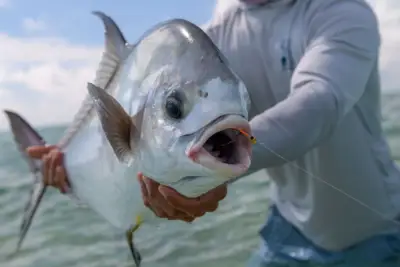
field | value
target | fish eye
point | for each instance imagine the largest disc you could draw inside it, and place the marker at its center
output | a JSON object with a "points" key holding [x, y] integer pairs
{"points": [[174, 105]]}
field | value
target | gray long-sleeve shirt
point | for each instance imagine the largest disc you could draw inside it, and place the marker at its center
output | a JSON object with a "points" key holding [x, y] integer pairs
{"points": [[311, 68]]}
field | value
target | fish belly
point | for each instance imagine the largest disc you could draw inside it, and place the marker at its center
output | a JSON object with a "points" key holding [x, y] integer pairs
{"points": [[101, 182]]}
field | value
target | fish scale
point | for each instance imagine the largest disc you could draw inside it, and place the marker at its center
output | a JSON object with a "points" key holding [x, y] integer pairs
{"points": [[151, 112]]}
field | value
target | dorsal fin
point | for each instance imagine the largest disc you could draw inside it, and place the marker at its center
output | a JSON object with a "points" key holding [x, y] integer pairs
{"points": [[116, 51]]}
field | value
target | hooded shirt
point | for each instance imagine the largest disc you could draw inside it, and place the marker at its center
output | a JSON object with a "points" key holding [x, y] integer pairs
{"points": [[311, 69]]}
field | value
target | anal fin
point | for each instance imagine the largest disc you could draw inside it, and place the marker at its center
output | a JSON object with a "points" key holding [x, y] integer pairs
{"points": [[137, 258]]}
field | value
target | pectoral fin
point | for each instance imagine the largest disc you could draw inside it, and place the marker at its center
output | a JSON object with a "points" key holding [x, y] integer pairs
{"points": [[117, 125]]}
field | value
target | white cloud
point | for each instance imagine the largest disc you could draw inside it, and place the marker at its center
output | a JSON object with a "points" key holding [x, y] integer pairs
{"points": [[44, 79], [33, 25]]}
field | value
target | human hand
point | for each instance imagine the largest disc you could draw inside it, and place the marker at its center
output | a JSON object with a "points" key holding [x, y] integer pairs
{"points": [[54, 173], [165, 202]]}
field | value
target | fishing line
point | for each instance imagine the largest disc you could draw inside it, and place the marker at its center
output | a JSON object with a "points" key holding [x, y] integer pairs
{"points": [[380, 214], [376, 212]]}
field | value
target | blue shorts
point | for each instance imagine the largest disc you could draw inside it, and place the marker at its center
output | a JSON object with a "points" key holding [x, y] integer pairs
{"points": [[284, 245]]}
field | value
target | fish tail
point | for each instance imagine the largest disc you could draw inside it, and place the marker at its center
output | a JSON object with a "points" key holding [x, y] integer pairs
{"points": [[25, 136]]}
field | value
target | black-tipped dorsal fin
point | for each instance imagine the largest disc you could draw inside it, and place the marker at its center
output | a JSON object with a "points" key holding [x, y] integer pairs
{"points": [[115, 52]]}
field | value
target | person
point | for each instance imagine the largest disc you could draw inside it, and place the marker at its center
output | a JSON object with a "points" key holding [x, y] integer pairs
{"points": [[311, 69]]}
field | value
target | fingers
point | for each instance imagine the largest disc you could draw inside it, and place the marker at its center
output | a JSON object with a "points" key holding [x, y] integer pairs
{"points": [[157, 203], [61, 179], [157, 206], [212, 198], [38, 152], [151, 187], [143, 189], [196, 207], [53, 172], [165, 202], [57, 171], [147, 188], [45, 168], [181, 203], [54, 159]]}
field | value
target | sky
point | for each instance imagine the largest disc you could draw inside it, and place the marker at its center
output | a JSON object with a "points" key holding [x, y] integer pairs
{"points": [[49, 49]]}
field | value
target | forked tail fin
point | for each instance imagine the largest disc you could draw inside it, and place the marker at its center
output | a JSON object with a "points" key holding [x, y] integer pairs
{"points": [[25, 136]]}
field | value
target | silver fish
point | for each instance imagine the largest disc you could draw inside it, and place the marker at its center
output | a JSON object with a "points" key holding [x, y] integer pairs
{"points": [[169, 106]]}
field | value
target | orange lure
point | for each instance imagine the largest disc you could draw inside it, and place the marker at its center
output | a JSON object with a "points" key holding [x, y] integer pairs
{"points": [[252, 139]]}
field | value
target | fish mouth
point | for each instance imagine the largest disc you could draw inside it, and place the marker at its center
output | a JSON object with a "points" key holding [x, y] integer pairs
{"points": [[222, 148]]}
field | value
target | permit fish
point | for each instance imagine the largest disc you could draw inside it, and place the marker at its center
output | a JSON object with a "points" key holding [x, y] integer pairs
{"points": [[168, 106]]}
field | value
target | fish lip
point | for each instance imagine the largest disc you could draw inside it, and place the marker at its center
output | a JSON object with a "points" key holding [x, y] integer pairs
{"points": [[199, 155]]}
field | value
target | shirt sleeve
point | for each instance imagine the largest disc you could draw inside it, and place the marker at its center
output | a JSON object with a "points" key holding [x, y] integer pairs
{"points": [[342, 51]]}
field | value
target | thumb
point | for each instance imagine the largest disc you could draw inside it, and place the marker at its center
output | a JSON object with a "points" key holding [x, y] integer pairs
{"points": [[37, 152]]}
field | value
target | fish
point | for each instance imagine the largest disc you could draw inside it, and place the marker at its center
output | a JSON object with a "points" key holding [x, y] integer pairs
{"points": [[168, 106]]}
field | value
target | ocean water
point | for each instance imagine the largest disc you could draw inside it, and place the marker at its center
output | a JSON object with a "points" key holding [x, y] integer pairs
{"points": [[64, 234]]}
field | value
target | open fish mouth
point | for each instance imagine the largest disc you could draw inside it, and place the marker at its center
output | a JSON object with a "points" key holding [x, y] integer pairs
{"points": [[222, 147]]}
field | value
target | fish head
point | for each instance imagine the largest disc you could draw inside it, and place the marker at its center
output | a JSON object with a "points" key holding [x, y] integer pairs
{"points": [[179, 110], [196, 111]]}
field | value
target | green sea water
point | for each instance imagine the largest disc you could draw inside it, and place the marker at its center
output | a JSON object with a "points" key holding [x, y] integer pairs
{"points": [[66, 235]]}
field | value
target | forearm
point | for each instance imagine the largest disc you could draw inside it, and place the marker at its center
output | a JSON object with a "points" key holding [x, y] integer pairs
{"points": [[291, 128], [329, 79]]}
